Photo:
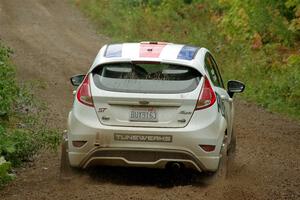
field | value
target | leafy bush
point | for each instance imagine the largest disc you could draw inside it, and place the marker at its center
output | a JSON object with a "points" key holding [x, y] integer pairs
{"points": [[245, 19], [294, 16], [8, 88], [22, 132], [20, 145], [5, 177]]}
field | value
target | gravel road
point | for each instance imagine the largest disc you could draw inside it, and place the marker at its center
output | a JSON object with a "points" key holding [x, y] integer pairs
{"points": [[52, 41]]}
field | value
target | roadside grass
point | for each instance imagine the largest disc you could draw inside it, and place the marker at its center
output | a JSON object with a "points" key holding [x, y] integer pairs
{"points": [[256, 42], [23, 122]]}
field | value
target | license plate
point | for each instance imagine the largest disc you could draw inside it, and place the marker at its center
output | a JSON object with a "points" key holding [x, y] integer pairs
{"points": [[148, 114]]}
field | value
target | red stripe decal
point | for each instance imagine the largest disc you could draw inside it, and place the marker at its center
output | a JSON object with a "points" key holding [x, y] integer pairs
{"points": [[151, 50]]}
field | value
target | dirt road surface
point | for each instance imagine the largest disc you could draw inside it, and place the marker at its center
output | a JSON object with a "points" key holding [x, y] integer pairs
{"points": [[53, 41]]}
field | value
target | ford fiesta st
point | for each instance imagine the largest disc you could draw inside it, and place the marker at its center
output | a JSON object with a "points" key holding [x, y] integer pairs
{"points": [[151, 104]]}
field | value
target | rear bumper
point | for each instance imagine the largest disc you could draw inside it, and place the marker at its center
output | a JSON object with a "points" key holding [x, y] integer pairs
{"points": [[101, 147], [152, 158]]}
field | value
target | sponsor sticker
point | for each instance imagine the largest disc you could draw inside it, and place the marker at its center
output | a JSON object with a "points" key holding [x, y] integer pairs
{"points": [[142, 137]]}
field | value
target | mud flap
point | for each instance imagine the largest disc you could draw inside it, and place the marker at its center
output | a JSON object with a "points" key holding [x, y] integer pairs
{"points": [[221, 174], [66, 171], [232, 146]]}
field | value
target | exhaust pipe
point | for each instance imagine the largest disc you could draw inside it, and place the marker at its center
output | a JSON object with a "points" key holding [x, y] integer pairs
{"points": [[174, 166]]}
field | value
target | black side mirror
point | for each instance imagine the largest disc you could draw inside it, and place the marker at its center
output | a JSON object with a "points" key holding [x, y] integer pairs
{"points": [[77, 80], [235, 87]]}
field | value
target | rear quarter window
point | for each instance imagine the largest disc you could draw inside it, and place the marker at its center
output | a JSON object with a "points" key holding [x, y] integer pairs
{"points": [[146, 78]]}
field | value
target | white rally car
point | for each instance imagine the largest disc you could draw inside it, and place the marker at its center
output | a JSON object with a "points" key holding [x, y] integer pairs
{"points": [[151, 104]]}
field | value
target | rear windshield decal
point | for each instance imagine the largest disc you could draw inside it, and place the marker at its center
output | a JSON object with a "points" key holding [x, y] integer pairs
{"points": [[113, 50], [187, 53], [151, 50]]}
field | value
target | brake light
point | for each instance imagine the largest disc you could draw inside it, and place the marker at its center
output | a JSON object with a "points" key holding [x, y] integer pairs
{"points": [[208, 148], [207, 96], [78, 143], [84, 93]]}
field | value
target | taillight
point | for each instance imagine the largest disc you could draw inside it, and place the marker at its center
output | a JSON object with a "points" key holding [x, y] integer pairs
{"points": [[78, 143], [84, 93], [208, 148], [207, 96]]}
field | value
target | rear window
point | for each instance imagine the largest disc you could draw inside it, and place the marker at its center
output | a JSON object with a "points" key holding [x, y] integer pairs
{"points": [[146, 78]]}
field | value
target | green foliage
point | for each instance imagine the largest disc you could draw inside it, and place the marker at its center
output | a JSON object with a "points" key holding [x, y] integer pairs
{"points": [[271, 80], [294, 8], [243, 19], [22, 132], [8, 88], [20, 145], [5, 167], [152, 21], [245, 36]]}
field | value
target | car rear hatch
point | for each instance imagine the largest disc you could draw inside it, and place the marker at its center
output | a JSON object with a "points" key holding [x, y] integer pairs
{"points": [[145, 94]]}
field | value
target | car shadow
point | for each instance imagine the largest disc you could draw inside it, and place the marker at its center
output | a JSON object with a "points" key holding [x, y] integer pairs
{"points": [[161, 178]]}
